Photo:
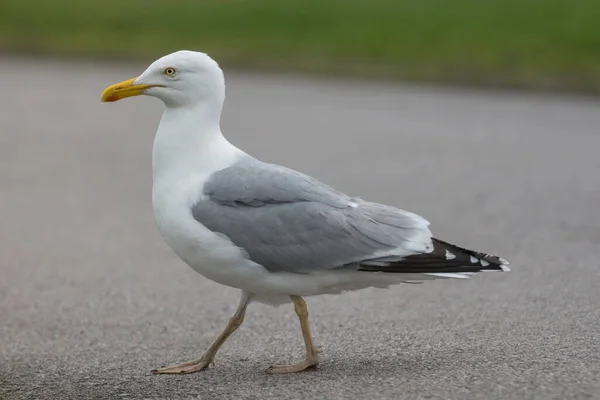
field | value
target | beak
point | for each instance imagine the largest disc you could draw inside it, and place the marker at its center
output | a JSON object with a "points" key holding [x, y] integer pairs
{"points": [[122, 90]]}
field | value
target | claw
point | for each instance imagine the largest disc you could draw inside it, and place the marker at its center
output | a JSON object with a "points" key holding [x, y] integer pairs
{"points": [[288, 369], [183, 368]]}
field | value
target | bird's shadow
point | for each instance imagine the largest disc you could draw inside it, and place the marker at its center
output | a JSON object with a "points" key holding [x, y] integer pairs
{"points": [[230, 375]]}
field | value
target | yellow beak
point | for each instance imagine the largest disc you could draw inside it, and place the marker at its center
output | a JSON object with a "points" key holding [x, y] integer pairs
{"points": [[122, 90]]}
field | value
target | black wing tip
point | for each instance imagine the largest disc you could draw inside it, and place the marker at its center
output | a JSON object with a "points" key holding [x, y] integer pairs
{"points": [[488, 262], [445, 258]]}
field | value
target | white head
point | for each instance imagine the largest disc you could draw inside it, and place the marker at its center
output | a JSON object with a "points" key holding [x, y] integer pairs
{"points": [[181, 79]]}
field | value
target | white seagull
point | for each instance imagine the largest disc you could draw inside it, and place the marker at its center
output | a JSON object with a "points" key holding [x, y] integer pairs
{"points": [[274, 233]]}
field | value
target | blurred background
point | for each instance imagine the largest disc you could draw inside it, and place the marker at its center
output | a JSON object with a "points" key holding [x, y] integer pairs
{"points": [[480, 115], [542, 44]]}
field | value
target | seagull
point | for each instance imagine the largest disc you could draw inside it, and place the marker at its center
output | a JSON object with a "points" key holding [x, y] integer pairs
{"points": [[276, 234]]}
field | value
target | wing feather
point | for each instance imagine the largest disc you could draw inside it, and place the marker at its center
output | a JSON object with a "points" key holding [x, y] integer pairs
{"points": [[288, 221]]}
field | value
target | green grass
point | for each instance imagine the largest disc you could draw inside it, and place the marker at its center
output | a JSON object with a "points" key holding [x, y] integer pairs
{"points": [[531, 43]]}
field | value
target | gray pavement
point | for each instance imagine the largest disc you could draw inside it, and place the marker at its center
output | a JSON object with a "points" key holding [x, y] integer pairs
{"points": [[91, 299]]}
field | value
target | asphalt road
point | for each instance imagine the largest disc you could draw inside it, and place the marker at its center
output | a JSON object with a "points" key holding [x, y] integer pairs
{"points": [[91, 299]]}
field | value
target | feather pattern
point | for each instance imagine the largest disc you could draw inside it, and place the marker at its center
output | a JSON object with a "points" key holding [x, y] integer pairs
{"points": [[287, 221]]}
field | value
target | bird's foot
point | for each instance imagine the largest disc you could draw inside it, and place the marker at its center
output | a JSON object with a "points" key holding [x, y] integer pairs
{"points": [[184, 368], [288, 369]]}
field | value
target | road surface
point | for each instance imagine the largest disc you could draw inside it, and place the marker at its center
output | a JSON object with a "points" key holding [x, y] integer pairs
{"points": [[91, 299]]}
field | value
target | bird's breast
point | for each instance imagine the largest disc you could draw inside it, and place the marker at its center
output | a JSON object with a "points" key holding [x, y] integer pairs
{"points": [[208, 253]]}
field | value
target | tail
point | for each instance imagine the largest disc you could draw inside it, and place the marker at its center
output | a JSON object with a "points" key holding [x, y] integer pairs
{"points": [[444, 261]]}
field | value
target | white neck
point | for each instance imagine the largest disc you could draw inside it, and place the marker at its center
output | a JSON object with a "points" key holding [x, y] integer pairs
{"points": [[189, 141]]}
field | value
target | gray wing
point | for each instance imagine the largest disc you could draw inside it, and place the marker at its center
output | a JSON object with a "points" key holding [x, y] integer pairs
{"points": [[288, 221]]}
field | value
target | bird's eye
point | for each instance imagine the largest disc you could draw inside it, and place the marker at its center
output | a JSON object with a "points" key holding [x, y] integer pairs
{"points": [[170, 71]]}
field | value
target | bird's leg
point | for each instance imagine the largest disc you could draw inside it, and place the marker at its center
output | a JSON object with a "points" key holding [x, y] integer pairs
{"points": [[311, 360], [208, 356]]}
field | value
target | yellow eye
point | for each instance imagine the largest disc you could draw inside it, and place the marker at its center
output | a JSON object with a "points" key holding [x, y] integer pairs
{"points": [[170, 71]]}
